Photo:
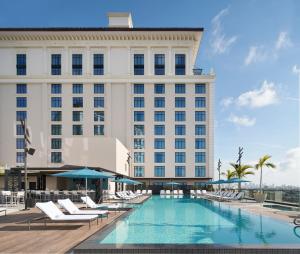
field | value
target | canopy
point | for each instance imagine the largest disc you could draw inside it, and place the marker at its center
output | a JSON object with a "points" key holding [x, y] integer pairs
{"points": [[127, 181], [237, 180]]}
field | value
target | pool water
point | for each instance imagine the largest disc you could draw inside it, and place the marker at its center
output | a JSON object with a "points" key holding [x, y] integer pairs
{"points": [[197, 221]]}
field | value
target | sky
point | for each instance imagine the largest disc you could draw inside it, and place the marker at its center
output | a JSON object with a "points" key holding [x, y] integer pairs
{"points": [[253, 46]]}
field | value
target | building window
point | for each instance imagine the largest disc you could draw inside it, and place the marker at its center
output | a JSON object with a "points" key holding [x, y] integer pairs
{"points": [[200, 171], [99, 102], [55, 64], [21, 102], [159, 64], [139, 130], [77, 102], [179, 102], [56, 102], [180, 88], [200, 89], [180, 64], [180, 157], [77, 129], [20, 143], [179, 116], [200, 129], [159, 116], [56, 88], [98, 64], [55, 143], [179, 143], [77, 88], [21, 64], [159, 102], [56, 116], [139, 171], [200, 143], [77, 64], [138, 88], [179, 129], [200, 102], [159, 88], [19, 129], [20, 157], [139, 102], [159, 143], [77, 116], [56, 129], [139, 157], [138, 64], [99, 116], [99, 88], [139, 116], [21, 115], [200, 157], [56, 157], [21, 89], [159, 157], [200, 116], [98, 130], [159, 130], [179, 171], [159, 171], [139, 143]]}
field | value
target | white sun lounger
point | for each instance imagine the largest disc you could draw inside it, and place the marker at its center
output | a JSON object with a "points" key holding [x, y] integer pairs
{"points": [[180, 192], [91, 204], [162, 192], [175, 192], [168, 192], [149, 192]]}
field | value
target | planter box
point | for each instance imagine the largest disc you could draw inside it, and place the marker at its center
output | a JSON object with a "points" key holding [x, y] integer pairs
{"points": [[260, 197]]}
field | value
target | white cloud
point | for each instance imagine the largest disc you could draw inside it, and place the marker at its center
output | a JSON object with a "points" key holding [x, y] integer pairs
{"points": [[242, 120], [255, 54], [257, 98], [283, 41], [220, 42], [227, 101]]}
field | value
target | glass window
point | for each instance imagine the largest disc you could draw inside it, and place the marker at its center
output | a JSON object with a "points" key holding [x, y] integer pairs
{"points": [[159, 171], [200, 157], [200, 129], [56, 88], [21, 102], [159, 143], [21, 115], [99, 116], [200, 171], [159, 102], [20, 157], [179, 116], [180, 64], [19, 129], [139, 157], [21, 64], [56, 129], [159, 88], [77, 64], [179, 171], [20, 143], [179, 129], [98, 129], [139, 143], [159, 116], [139, 102], [98, 64], [77, 88], [200, 116], [179, 102], [138, 64], [139, 116], [77, 129], [200, 102], [77, 102], [139, 130], [179, 88], [21, 88], [139, 171], [56, 157], [56, 102], [159, 157], [99, 88], [179, 143], [159, 130], [56, 116], [200, 143], [159, 64], [179, 157], [77, 116], [99, 102], [55, 64], [200, 88], [55, 143], [138, 88]]}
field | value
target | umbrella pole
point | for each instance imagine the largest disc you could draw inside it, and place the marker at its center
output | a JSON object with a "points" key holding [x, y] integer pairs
{"points": [[86, 192]]}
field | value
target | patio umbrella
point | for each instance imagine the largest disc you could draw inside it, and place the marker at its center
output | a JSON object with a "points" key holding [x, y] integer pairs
{"points": [[237, 180], [127, 181], [172, 184]]}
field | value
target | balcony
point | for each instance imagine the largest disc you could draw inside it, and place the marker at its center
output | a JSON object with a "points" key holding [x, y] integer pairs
{"points": [[197, 71]]}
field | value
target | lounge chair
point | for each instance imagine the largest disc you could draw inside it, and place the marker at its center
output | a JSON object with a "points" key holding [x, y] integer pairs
{"points": [[175, 192], [91, 204], [198, 192], [162, 192], [204, 192], [168, 192], [144, 192], [56, 215], [192, 192], [180, 192], [297, 221], [149, 192]]}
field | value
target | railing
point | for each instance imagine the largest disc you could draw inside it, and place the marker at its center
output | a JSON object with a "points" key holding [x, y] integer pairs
{"points": [[197, 71]]}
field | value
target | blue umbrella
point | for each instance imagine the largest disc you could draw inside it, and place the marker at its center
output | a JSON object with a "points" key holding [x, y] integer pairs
{"points": [[127, 181], [172, 184], [237, 180]]}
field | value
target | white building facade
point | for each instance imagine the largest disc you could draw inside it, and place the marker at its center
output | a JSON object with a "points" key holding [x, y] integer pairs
{"points": [[89, 92]]}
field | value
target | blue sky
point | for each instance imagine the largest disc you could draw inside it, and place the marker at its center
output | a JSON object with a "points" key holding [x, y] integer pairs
{"points": [[253, 47]]}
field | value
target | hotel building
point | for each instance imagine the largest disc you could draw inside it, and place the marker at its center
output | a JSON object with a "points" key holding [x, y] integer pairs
{"points": [[128, 100]]}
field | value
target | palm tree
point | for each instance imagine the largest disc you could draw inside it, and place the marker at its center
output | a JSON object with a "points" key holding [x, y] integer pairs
{"points": [[229, 174], [263, 162], [241, 171]]}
